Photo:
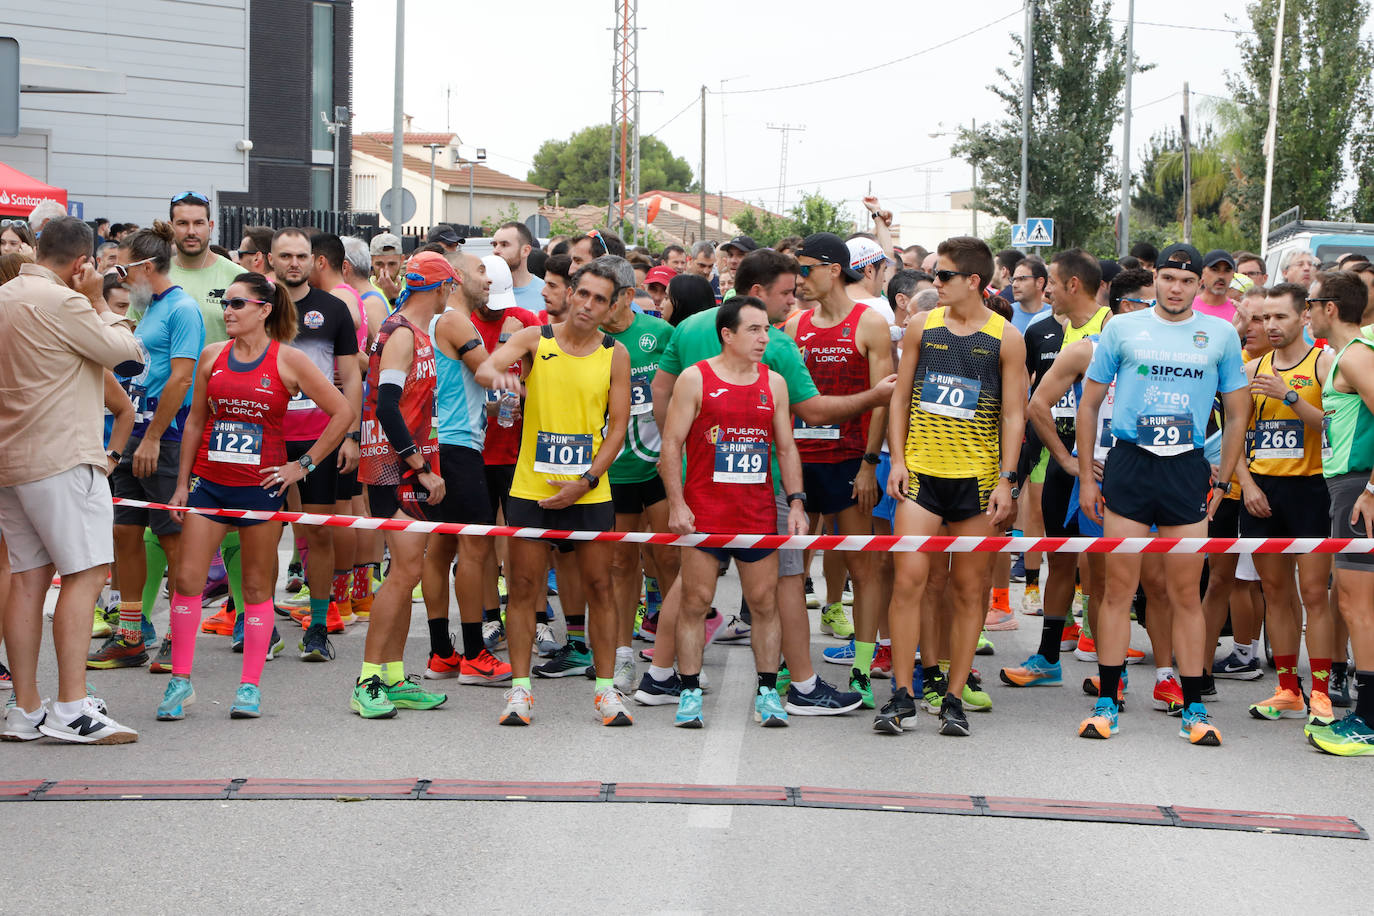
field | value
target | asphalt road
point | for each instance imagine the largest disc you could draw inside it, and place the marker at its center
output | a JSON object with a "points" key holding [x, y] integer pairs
{"points": [[309, 856]]}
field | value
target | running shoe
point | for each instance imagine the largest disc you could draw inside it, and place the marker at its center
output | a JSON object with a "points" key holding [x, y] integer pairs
{"points": [[688, 713], [834, 622], [1209, 684], [657, 693], [300, 599], [1092, 686], [116, 653], [19, 727], [295, 578], [408, 694], [933, 695], [217, 586], [1284, 704], [100, 627], [882, 662], [1339, 689], [847, 594], [1018, 567], [975, 697], [220, 623], [1350, 737], [953, 722], [275, 645], [1085, 650], [1168, 696], [1000, 618], [333, 620], [784, 680], [715, 622], [896, 711], [1233, 668], [812, 599], [440, 667], [417, 594], [569, 661], [545, 643], [486, 670], [768, 710], [90, 726], [315, 645], [1197, 727], [370, 700], [553, 581], [823, 700], [1070, 637], [1319, 711], [985, 646], [1032, 605], [610, 705], [734, 631], [648, 628], [860, 684], [624, 676], [502, 595], [6, 679], [1033, 672], [178, 695], [494, 634], [519, 706], [1103, 723], [247, 702], [840, 655]]}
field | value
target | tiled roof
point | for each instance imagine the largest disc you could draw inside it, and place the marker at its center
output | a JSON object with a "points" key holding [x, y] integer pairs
{"points": [[410, 138], [482, 176], [731, 206]]}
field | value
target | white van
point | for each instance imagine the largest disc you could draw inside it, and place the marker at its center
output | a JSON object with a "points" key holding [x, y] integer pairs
{"points": [[1325, 241]]}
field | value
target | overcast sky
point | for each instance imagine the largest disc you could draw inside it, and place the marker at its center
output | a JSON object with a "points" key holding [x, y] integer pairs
{"points": [[524, 72]]}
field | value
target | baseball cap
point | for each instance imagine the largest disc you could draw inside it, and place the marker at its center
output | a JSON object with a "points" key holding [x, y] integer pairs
{"points": [[386, 243], [662, 275], [445, 234], [1217, 256], [431, 268], [863, 252], [1180, 257], [502, 295], [741, 243], [1110, 269], [1241, 283], [828, 248]]}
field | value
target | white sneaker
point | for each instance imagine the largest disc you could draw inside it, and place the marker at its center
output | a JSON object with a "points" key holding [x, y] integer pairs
{"points": [[625, 673], [735, 631], [545, 643], [19, 727], [519, 707], [610, 705], [91, 726]]}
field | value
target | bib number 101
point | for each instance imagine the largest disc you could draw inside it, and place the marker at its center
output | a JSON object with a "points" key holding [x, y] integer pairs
{"points": [[563, 453]]}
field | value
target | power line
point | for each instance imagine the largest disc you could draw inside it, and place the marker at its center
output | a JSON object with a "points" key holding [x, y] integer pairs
{"points": [[1191, 28], [734, 192], [1163, 98], [684, 110]]}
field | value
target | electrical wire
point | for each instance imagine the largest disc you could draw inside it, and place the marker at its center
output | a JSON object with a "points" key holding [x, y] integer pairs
{"points": [[695, 100], [901, 168]]}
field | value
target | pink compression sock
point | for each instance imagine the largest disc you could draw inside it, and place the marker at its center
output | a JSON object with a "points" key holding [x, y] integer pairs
{"points": [[257, 634], [186, 611]]}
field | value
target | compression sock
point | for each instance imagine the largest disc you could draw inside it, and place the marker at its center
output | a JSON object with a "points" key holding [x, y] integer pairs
{"points": [[1321, 675], [440, 643], [768, 679], [155, 558], [1192, 689], [1364, 704], [319, 610], [472, 639], [1051, 634], [1287, 668], [338, 590], [131, 621], [233, 567], [1109, 680], [863, 655], [257, 635], [186, 610]]}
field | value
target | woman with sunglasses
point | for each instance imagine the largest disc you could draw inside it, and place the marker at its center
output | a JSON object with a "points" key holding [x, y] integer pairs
{"points": [[16, 237], [239, 461]]}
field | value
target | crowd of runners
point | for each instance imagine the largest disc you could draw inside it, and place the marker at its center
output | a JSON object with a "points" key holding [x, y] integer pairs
{"points": [[823, 385]]}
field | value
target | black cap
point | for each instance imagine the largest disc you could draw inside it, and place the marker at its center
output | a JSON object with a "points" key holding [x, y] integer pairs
{"points": [[1216, 256], [444, 234], [1110, 269], [1180, 257], [743, 243], [828, 248]]}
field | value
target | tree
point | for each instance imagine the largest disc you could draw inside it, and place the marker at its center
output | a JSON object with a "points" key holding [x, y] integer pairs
{"points": [[813, 213], [1077, 78], [576, 167], [765, 227], [509, 215], [1323, 97]]}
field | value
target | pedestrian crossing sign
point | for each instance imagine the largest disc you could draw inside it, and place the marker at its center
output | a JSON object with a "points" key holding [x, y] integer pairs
{"points": [[1018, 236], [1039, 232]]}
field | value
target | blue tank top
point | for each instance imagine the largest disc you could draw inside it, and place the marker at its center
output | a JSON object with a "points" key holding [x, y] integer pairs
{"points": [[460, 404]]}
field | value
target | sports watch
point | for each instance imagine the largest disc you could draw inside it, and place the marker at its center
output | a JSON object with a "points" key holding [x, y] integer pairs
{"points": [[592, 479], [795, 496], [307, 464], [872, 457], [1290, 398]]}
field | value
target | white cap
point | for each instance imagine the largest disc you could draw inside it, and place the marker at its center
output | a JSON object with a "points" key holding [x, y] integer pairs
{"points": [[386, 243], [502, 294], [863, 252]]}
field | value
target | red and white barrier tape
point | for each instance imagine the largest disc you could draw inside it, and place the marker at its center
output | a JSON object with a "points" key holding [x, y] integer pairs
{"points": [[885, 543]]}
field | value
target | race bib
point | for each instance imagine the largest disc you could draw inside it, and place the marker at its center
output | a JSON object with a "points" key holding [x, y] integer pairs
{"points": [[1105, 438], [562, 453], [300, 402], [741, 462], [800, 430], [1326, 438], [233, 442], [950, 395], [139, 396], [1066, 408], [641, 394], [1169, 434], [1278, 439]]}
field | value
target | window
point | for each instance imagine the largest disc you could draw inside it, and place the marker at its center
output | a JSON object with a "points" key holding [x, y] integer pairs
{"points": [[322, 188], [321, 75], [364, 192]]}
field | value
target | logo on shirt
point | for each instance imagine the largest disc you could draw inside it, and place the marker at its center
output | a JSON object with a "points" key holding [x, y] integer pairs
{"points": [[718, 392], [844, 332], [547, 355], [646, 342], [713, 435], [808, 335], [313, 320], [1200, 340], [265, 382]]}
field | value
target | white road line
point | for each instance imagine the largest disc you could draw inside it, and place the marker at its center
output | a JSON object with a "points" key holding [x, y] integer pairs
{"points": [[726, 719]]}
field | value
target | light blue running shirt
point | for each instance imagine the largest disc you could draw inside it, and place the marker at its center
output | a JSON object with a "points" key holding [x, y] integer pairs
{"points": [[1022, 319], [460, 404], [171, 328], [1167, 373]]}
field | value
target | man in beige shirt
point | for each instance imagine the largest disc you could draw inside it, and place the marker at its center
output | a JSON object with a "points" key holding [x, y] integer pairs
{"points": [[55, 510]]}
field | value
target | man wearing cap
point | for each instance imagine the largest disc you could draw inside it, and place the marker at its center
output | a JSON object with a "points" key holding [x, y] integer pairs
{"points": [[848, 349], [656, 282], [730, 255], [445, 235], [1218, 269], [869, 262], [386, 264], [513, 241], [1168, 363]]}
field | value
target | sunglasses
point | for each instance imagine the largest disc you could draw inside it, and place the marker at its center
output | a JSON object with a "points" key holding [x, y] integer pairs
{"points": [[191, 195], [1149, 302], [122, 270], [242, 252], [807, 268], [596, 236], [944, 276], [1315, 300], [239, 302], [17, 223]]}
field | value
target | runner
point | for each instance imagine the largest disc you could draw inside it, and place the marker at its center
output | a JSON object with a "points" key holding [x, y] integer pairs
{"points": [[1285, 496], [577, 407], [238, 407], [203, 274], [729, 412], [400, 465], [1335, 309], [957, 414], [1168, 363]]}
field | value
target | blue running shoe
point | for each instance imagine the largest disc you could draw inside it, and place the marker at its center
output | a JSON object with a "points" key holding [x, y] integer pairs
{"points": [[275, 646], [149, 634], [768, 710], [823, 700], [178, 696], [1033, 672], [553, 582], [688, 709], [657, 693], [840, 655], [247, 702], [1103, 723], [1197, 727], [236, 641]]}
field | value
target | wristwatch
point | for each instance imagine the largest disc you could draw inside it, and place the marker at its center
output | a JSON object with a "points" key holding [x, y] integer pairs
{"points": [[871, 458], [1225, 488], [592, 479], [356, 435], [113, 453], [798, 495], [1290, 398], [307, 464]]}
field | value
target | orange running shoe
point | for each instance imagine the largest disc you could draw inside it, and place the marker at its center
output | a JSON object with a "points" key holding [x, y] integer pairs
{"points": [[1085, 650], [1168, 696], [1319, 712], [1284, 704], [1092, 686], [362, 609], [346, 612], [333, 623], [1001, 619], [1197, 727], [486, 670], [302, 616], [220, 623], [1070, 637], [1103, 723], [441, 667]]}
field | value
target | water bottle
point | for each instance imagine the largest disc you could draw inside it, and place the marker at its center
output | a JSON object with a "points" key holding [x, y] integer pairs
{"points": [[506, 409]]}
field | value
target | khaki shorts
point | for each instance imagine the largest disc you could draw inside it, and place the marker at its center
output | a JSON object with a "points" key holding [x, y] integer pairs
{"points": [[66, 520]]}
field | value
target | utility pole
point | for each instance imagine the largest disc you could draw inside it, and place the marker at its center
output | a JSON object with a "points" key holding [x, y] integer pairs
{"points": [[926, 198], [1271, 133], [782, 161], [1187, 173], [701, 175], [397, 122], [1027, 78], [973, 129], [433, 148], [1123, 242]]}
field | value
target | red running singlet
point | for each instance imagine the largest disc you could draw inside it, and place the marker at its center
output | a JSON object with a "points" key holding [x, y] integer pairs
{"points": [[729, 483], [838, 368], [379, 464], [243, 429]]}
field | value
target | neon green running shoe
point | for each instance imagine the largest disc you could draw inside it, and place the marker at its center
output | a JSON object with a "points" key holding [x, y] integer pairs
{"points": [[975, 697], [835, 622], [639, 618], [784, 680], [299, 600], [370, 700], [985, 646], [408, 694], [860, 684], [1350, 737], [933, 694]]}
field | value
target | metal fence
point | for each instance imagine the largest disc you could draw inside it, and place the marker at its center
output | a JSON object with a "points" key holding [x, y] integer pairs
{"points": [[233, 220]]}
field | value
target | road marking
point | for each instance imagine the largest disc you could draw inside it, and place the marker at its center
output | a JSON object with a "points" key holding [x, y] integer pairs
{"points": [[720, 752]]}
